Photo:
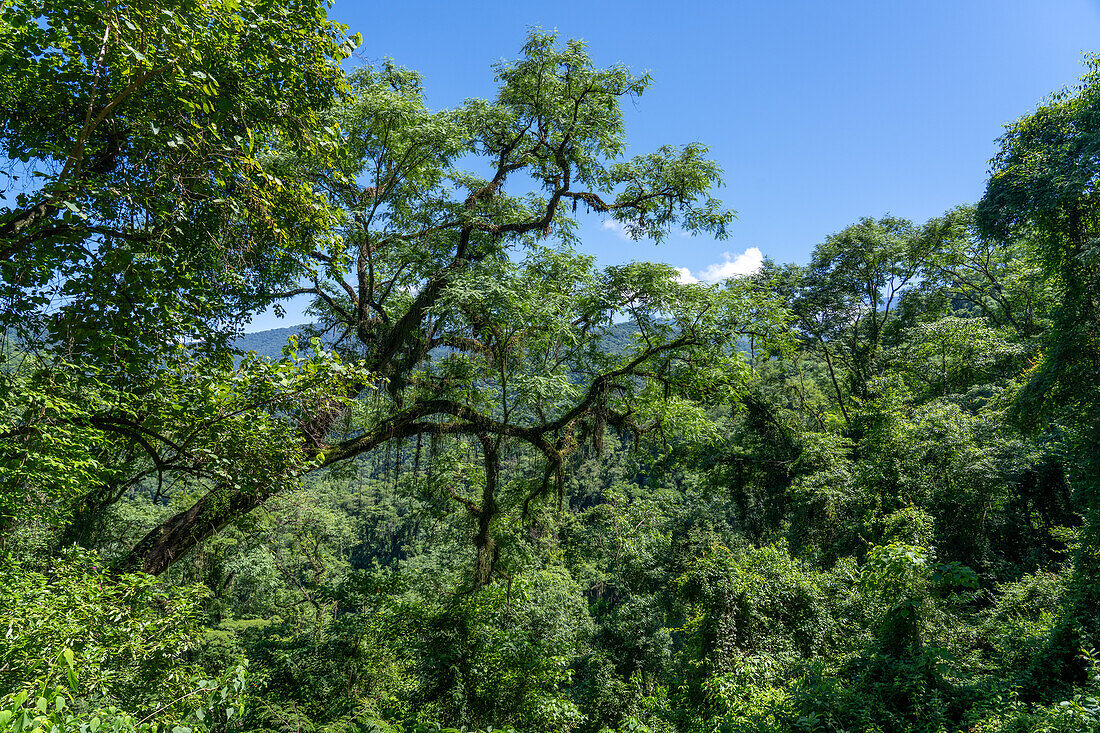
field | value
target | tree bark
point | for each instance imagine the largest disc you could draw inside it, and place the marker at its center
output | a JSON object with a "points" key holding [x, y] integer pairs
{"points": [[181, 532], [487, 551]]}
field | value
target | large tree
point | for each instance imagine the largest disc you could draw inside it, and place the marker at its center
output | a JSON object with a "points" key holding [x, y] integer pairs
{"points": [[143, 204], [465, 299], [845, 298], [1045, 188]]}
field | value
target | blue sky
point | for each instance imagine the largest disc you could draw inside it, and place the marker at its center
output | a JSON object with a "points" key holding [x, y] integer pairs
{"points": [[818, 112]]}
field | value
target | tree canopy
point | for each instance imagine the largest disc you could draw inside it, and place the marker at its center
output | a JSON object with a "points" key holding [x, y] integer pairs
{"points": [[469, 304], [143, 196], [493, 483]]}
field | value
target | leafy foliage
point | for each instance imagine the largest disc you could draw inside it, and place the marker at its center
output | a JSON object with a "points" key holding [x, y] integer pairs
{"points": [[503, 486]]}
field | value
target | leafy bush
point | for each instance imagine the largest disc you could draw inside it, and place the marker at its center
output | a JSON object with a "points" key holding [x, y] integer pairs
{"points": [[83, 650]]}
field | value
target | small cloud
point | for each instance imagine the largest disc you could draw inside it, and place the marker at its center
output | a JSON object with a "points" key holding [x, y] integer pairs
{"points": [[745, 263], [685, 277]]}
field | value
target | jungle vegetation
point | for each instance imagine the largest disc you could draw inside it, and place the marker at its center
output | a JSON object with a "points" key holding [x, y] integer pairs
{"points": [[492, 485]]}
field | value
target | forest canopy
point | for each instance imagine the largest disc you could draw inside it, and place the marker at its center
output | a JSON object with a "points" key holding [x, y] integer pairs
{"points": [[493, 484]]}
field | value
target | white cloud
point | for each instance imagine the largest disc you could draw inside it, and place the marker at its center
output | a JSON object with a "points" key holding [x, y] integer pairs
{"points": [[745, 263], [685, 277]]}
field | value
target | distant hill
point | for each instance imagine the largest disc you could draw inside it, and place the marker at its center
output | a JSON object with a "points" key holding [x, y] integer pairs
{"points": [[270, 343]]}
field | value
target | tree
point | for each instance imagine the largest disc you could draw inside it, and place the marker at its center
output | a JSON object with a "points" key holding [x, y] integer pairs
{"points": [[143, 197], [1045, 186], [449, 288], [145, 206], [999, 278], [849, 292]]}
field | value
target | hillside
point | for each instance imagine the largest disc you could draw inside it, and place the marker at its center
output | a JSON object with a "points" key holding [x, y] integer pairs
{"points": [[267, 343]]}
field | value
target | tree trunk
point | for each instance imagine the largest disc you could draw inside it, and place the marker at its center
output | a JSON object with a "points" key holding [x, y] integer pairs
{"points": [[178, 534], [487, 550]]}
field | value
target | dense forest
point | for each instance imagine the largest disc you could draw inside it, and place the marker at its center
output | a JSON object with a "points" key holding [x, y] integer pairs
{"points": [[491, 485]]}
